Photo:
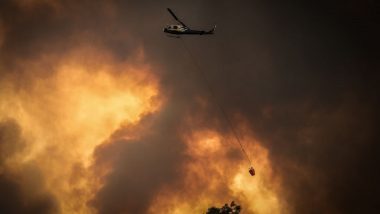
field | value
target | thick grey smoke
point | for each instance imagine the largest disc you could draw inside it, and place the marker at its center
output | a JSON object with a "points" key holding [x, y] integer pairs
{"points": [[304, 76]]}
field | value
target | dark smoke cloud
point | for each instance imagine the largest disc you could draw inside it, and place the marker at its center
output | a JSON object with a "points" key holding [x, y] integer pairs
{"points": [[141, 166], [40, 28], [304, 75], [12, 196]]}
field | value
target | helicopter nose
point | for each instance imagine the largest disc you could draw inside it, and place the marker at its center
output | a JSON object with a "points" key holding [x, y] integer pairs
{"points": [[165, 30]]}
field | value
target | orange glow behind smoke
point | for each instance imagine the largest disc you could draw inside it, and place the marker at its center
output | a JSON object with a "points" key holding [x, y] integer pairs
{"points": [[66, 114], [216, 175]]}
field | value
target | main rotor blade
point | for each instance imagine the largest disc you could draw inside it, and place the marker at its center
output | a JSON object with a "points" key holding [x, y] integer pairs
{"points": [[175, 17], [171, 12]]}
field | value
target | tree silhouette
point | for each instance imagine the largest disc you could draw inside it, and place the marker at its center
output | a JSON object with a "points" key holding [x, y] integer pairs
{"points": [[226, 209]]}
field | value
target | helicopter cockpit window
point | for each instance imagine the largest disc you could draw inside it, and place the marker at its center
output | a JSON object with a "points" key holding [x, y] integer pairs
{"points": [[175, 27]]}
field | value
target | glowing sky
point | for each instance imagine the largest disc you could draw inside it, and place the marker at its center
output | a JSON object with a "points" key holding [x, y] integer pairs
{"points": [[100, 112]]}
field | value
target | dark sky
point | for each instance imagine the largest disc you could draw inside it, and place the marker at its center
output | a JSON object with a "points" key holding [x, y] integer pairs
{"points": [[304, 76]]}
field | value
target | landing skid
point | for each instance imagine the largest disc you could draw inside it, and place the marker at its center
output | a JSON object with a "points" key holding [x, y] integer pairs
{"points": [[172, 36]]}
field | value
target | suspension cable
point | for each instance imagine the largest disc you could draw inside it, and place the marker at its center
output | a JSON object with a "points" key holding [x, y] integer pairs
{"points": [[213, 96]]}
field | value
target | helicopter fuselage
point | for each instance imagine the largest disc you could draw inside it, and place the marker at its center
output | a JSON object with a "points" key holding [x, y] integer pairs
{"points": [[180, 29]]}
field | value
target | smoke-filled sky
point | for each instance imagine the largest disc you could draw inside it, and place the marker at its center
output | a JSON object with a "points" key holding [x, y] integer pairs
{"points": [[101, 112]]}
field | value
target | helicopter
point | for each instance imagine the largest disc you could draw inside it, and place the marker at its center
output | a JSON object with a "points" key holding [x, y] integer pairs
{"points": [[183, 29]]}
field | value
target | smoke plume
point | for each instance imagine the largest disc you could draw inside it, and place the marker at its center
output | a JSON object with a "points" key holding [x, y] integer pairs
{"points": [[101, 112]]}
